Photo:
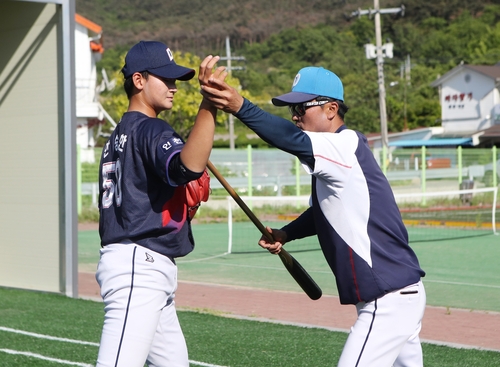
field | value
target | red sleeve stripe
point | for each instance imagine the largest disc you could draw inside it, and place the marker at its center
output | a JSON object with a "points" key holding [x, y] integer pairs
{"points": [[331, 160]]}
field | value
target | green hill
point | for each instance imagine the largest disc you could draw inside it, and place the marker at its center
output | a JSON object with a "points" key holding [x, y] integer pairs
{"points": [[197, 25], [277, 38]]}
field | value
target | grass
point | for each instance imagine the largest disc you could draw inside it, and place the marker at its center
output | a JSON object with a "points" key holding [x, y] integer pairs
{"points": [[211, 338]]}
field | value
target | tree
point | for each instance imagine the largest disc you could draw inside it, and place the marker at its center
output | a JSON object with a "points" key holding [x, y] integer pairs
{"points": [[437, 35], [186, 102]]}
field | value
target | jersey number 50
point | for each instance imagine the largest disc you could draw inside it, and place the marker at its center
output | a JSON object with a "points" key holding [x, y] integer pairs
{"points": [[111, 187]]}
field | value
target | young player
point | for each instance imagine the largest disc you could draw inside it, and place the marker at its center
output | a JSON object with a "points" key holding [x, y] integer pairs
{"points": [[144, 223], [353, 213]]}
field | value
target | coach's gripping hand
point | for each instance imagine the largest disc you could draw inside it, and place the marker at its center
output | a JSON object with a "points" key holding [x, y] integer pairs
{"points": [[274, 247], [222, 95]]}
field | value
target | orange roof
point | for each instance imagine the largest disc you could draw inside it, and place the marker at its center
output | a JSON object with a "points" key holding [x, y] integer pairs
{"points": [[88, 24], [96, 47]]}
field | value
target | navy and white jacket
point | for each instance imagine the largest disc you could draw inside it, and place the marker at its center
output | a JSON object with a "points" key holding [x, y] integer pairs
{"points": [[353, 212]]}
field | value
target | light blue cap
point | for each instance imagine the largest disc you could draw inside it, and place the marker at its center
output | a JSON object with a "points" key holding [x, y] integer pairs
{"points": [[312, 82]]}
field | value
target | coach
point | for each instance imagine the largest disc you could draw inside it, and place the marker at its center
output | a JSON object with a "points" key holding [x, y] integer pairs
{"points": [[353, 212]]}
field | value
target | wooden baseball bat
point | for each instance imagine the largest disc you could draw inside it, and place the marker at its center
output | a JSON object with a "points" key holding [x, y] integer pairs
{"points": [[291, 264]]}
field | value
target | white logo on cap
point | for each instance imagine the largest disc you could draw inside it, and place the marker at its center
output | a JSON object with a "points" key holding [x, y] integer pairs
{"points": [[170, 54], [296, 80]]}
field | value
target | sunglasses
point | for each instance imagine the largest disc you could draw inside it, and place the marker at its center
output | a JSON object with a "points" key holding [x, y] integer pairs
{"points": [[299, 109]]}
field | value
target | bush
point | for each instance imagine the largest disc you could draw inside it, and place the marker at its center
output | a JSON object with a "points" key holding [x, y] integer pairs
{"points": [[89, 214]]}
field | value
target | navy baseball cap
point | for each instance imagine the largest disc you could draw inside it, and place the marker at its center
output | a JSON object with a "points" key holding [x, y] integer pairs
{"points": [[155, 58], [310, 83]]}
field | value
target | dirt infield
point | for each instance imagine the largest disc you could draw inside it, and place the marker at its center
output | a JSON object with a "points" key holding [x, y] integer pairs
{"points": [[455, 327]]}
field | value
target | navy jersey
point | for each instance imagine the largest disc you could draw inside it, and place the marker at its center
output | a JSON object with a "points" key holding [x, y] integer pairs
{"points": [[353, 211], [139, 201]]}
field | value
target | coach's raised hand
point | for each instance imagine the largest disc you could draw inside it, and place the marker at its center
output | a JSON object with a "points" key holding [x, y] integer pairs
{"points": [[222, 95]]}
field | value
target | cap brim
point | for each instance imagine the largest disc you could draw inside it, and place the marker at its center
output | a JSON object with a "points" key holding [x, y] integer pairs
{"points": [[293, 98], [173, 72]]}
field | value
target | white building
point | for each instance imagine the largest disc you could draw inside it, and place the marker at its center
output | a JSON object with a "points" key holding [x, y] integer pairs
{"points": [[88, 51], [470, 112], [470, 104]]}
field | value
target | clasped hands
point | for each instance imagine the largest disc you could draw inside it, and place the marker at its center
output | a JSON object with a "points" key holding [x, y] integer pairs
{"points": [[214, 88]]}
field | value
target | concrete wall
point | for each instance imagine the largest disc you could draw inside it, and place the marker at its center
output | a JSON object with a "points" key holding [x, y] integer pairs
{"points": [[31, 163]]}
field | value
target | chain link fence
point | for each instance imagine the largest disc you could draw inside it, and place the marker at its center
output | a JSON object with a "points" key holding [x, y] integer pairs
{"points": [[271, 172]]}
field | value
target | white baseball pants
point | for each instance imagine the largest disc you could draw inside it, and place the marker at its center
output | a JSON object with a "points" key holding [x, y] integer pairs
{"points": [[140, 323], [386, 332]]}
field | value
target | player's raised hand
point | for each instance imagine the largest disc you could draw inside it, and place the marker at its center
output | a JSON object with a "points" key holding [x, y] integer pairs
{"points": [[275, 246], [207, 71]]}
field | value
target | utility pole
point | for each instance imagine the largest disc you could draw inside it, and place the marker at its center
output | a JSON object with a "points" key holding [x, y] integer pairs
{"points": [[230, 68], [380, 61], [407, 83]]}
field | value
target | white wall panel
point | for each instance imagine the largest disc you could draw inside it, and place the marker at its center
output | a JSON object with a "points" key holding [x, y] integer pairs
{"points": [[30, 118]]}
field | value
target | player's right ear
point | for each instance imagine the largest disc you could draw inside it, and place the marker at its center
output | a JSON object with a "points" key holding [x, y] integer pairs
{"points": [[138, 80], [135, 83]]}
